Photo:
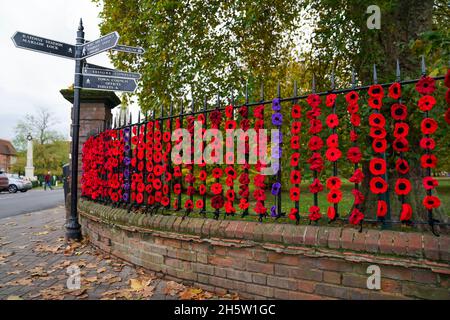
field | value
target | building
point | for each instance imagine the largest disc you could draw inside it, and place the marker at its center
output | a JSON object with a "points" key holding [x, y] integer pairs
{"points": [[7, 155]]}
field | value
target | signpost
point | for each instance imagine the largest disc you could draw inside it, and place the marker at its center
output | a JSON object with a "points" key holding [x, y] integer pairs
{"points": [[87, 76]]}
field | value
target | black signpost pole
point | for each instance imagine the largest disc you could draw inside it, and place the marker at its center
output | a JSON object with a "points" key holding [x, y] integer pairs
{"points": [[73, 228]]}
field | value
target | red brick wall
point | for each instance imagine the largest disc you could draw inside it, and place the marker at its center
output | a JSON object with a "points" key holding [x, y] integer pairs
{"points": [[269, 261]]}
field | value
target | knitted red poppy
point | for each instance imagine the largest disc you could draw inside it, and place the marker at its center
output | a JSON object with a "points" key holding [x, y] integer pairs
{"points": [[426, 85], [216, 188], [354, 155], [401, 130], [296, 177], [395, 91], [333, 141], [294, 194], [406, 212], [331, 213], [378, 185], [377, 120], [316, 186], [376, 91], [315, 143], [359, 197], [356, 216], [217, 202], [428, 126], [333, 154], [429, 183], [295, 158], [314, 213], [330, 100], [377, 166], [357, 176], [426, 103], [428, 161], [313, 100], [400, 145], [381, 208], [402, 186], [402, 166], [334, 196], [296, 111], [379, 145], [355, 120], [295, 143], [352, 97], [377, 133], [333, 183], [431, 202], [427, 143], [332, 121], [399, 112], [296, 127]]}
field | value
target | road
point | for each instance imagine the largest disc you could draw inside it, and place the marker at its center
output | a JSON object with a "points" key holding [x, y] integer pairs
{"points": [[13, 204]]}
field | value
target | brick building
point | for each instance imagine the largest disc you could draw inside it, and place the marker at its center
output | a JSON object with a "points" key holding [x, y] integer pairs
{"points": [[7, 155]]}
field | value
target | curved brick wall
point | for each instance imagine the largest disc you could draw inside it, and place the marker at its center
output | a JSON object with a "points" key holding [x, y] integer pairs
{"points": [[278, 261]]}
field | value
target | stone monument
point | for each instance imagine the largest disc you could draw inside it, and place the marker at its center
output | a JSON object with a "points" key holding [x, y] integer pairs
{"points": [[29, 169]]}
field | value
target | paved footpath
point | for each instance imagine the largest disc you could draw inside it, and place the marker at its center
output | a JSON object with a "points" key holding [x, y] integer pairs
{"points": [[36, 263]]}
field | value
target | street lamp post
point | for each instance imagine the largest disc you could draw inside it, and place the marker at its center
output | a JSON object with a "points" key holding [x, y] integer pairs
{"points": [[73, 227]]}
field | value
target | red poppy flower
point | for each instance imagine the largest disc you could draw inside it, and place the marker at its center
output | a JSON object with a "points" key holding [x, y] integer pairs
{"points": [[378, 185], [428, 126], [381, 208], [428, 161], [258, 112], [296, 177], [296, 111], [379, 145], [316, 186], [334, 183], [293, 214], [330, 100], [359, 197], [356, 216], [355, 120], [431, 202], [295, 143], [243, 111], [190, 190], [313, 113], [427, 143], [243, 178], [313, 100], [399, 112], [331, 213], [402, 166], [202, 189], [217, 202], [243, 204], [447, 97], [352, 97], [216, 188], [314, 213], [401, 129], [402, 187], [316, 162], [217, 173], [357, 176], [230, 125], [334, 196], [230, 195], [377, 133], [259, 208], [157, 184], [400, 145], [353, 136], [447, 114], [259, 180], [426, 103], [315, 126], [177, 188], [377, 166], [189, 204], [199, 204], [295, 158], [426, 85], [429, 183], [296, 127], [377, 120], [333, 154], [406, 212], [447, 79], [202, 175], [229, 111], [395, 91], [333, 141], [375, 103], [353, 108], [376, 91], [259, 195], [332, 121], [354, 155], [294, 194], [314, 144]]}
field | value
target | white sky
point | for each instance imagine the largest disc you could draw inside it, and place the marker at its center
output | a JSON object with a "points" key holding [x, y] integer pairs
{"points": [[29, 79]]}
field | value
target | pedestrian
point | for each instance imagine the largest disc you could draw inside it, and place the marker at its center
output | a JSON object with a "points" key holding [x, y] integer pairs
{"points": [[48, 181]]}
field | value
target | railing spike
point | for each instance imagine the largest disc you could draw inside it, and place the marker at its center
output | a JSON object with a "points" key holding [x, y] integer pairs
{"points": [[295, 88], [332, 81], [375, 77], [205, 103], [218, 101], [314, 83], [246, 92], [261, 93], [162, 110], [130, 120], [181, 108], [278, 89], [193, 106], [139, 116], [397, 71], [423, 67], [171, 108], [353, 78]]}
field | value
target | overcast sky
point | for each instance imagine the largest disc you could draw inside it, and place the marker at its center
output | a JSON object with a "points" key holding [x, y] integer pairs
{"points": [[29, 79]]}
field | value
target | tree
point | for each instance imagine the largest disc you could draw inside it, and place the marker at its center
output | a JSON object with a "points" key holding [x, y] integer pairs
{"points": [[39, 126]]}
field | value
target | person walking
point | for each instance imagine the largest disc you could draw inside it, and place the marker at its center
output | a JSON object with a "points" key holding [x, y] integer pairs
{"points": [[48, 181]]}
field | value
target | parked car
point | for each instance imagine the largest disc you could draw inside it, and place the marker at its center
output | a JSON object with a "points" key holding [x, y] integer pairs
{"points": [[4, 182], [17, 183]]}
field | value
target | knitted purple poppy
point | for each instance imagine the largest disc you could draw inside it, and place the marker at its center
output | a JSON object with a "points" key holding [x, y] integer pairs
{"points": [[276, 153], [276, 188], [277, 119], [273, 211], [126, 161], [125, 197], [276, 105]]}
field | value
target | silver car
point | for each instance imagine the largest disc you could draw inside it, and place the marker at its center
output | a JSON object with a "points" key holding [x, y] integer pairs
{"points": [[17, 183]]}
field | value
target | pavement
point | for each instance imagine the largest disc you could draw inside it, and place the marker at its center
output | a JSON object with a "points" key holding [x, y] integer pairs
{"points": [[37, 263], [13, 204]]}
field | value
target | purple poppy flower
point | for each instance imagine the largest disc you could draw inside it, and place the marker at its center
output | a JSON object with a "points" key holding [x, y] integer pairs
{"points": [[126, 173], [276, 105], [125, 197], [127, 148], [275, 167], [126, 161], [276, 188], [273, 212], [277, 137], [277, 119], [126, 186]]}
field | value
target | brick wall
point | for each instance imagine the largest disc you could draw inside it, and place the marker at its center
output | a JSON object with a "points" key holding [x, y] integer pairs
{"points": [[274, 261]]}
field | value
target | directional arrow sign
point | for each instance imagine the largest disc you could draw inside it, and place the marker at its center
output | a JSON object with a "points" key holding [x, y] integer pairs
{"points": [[39, 44], [110, 73], [102, 44], [135, 50], [109, 84]]}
